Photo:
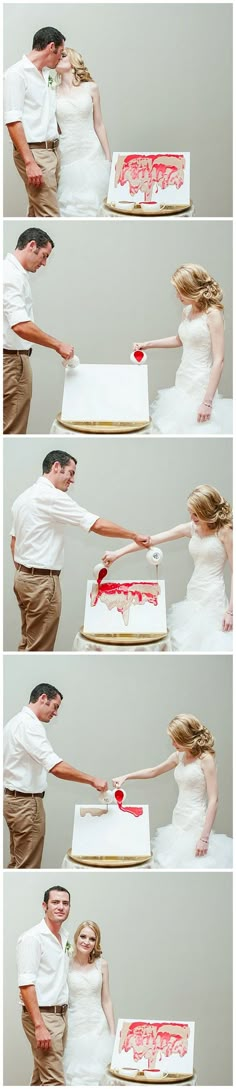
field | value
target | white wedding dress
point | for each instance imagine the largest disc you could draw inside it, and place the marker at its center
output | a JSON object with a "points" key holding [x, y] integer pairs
{"points": [[174, 845], [196, 623], [89, 1042], [84, 176], [175, 410]]}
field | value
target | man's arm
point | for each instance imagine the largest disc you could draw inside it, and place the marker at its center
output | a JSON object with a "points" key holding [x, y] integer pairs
{"points": [[12, 547], [110, 529], [18, 137], [29, 998], [29, 331], [65, 771]]}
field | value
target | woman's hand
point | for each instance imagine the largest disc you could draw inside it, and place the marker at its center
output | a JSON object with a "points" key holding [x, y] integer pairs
{"points": [[109, 557], [139, 347], [228, 620], [118, 782], [204, 412], [201, 847]]}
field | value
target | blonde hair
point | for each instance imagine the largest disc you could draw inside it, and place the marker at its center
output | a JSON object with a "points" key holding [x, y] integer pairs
{"points": [[96, 951], [195, 283], [188, 731], [80, 72], [208, 504]]}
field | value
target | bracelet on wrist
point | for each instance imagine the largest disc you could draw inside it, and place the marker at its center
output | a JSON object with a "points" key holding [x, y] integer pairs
{"points": [[208, 404]]}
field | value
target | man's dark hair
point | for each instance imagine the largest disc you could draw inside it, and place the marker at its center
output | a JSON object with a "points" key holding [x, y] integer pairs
{"points": [[33, 234], [54, 888], [47, 34], [57, 455], [48, 690]]}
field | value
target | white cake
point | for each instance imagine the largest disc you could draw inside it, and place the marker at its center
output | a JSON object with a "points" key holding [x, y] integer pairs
{"points": [[105, 831], [125, 608], [156, 1048], [113, 393], [149, 182]]}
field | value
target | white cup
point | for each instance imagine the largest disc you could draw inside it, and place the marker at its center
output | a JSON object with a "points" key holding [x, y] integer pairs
{"points": [[138, 361], [154, 556], [74, 362]]}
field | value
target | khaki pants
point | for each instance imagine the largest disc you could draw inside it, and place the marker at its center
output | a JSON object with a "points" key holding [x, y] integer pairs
{"points": [[25, 818], [43, 200], [39, 600], [17, 392], [48, 1065]]}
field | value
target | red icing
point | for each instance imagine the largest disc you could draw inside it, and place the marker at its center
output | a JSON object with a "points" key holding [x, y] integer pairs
{"points": [[136, 810], [138, 356], [110, 588], [150, 172]]}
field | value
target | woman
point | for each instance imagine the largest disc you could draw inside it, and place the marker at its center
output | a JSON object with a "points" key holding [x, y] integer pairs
{"points": [[189, 842], [90, 1016], [204, 620], [194, 399], [85, 153]]}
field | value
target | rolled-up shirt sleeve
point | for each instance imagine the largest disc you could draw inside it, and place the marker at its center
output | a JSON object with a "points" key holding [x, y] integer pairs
{"points": [[36, 744], [65, 510], [13, 305], [14, 96], [28, 954]]}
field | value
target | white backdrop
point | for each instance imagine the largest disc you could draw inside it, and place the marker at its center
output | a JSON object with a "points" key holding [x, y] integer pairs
{"points": [[168, 942], [165, 76], [102, 291], [113, 719], [142, 486]]}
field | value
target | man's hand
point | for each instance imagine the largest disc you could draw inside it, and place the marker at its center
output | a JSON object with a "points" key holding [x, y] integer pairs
{"points": [[142, 542], [43, 1037], [66, 351], [34, 174], [101, 785]]}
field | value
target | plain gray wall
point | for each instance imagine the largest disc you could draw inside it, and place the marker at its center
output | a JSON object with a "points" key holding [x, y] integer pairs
{"points": [[101, 292], [113, 719], [142, 486], [168, 941], [165, 76]]}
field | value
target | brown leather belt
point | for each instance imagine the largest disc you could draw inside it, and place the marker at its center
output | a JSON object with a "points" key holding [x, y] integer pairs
{"points": [[48, 144], [13, 351], [51, 1009], [37, 570], [21, 793]]}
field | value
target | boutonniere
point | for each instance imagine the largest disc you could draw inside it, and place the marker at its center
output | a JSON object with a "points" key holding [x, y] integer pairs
{"points": [[52, 81], [68, 948]]}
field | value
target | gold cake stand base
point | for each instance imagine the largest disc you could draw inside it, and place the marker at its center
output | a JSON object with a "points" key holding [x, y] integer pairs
{"points": [[146, 210], [145, 1077], [102, 427], [123, 639], [109, 861]]}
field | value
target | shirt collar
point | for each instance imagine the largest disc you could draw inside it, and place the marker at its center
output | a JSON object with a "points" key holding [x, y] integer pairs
{"points": [[46, 930], [44, 479], [30, 64], [27, 711], [14, 261]]}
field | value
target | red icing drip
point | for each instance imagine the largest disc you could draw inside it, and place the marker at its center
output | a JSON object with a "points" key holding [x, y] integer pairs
{"points": [[110, 588], [136, 810], [138, 356]]}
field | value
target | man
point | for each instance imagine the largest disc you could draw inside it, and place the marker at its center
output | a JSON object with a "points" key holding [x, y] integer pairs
{"points": [[19, 331], [37, 540], [42, 960], [30, 116], [27, 758]]}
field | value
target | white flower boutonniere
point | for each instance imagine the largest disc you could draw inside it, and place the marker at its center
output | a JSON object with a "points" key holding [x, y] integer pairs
{"points": [[53, 81], [68, 948]]}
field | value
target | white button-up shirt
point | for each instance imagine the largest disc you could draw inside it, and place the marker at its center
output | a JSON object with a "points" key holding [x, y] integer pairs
{"points": [[17, 302], [39, 517], [43, 963], [27, 753], [30, 99]]}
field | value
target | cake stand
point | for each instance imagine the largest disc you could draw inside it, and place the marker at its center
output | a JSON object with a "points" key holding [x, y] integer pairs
{"points": [[138, 210], [71, 862], [113, 1077]]}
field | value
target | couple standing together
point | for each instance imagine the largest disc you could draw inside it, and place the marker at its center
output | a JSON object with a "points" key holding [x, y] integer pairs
{"points": [[67, 1012], [61, 149]]}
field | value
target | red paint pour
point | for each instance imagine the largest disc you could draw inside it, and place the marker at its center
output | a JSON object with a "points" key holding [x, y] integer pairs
{"points": [[142, 590], [102, 575], [136, 810], [138, 356]]}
